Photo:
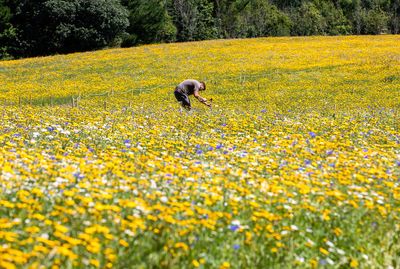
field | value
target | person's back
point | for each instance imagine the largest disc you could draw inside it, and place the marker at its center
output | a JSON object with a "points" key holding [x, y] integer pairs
{"points": [[189, 86]]}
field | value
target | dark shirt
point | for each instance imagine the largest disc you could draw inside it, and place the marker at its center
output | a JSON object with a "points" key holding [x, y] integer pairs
{"points": [[189, 86]]}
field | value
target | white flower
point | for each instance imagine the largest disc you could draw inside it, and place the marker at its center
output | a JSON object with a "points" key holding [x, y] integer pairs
{"points": [[340, 251], [236, 222], [300, 259], [45, 236], [329, 243]]}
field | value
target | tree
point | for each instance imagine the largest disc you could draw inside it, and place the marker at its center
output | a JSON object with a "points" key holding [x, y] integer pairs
{"points": [[194, 19], [7, 31], [149, 22], [395, 16], [374, 21], [335, 22], [307, 20], [260, 18], [226, 14], [60, 26]]}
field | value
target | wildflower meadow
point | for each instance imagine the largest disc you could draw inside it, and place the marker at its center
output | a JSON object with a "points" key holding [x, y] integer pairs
{"points": [[296, 165]]}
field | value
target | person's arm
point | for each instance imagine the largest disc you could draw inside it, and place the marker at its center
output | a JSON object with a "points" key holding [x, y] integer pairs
{"points": [[201, 99]]}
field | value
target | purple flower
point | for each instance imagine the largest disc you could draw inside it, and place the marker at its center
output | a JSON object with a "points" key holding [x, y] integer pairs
{"points": [[236, 246], [234, 228], [307, 162], [323, 262], [219, 146], [127, 141], [312, 134], [78, 175]]}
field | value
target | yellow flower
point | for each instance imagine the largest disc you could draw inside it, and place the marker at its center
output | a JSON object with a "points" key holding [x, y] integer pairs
{"points": [[324, 251], [353, 263], [195, 263], [225, 265], [122, 242]]}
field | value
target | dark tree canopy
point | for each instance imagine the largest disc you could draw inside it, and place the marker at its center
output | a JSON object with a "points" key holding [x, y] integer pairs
{"points": [[42, 27], [61, 26]]}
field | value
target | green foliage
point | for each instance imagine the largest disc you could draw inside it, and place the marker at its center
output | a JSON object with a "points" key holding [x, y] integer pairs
{"points": [[41, 27], [149, 22], [194, 19], [335, 21], [260, 18], [307, 20], [374, 21], [59, 26], [7, 31]]}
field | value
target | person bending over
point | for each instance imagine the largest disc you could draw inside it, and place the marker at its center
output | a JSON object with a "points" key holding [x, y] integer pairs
{"points": [[190, 87]]}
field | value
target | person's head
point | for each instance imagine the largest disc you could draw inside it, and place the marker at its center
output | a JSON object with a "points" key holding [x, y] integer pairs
{"points": [[203, 86]]}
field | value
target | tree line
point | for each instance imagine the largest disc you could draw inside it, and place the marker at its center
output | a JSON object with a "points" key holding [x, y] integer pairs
{"points": [[44, 27]]}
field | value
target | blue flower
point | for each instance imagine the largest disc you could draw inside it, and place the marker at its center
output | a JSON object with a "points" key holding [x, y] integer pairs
{"points": [[236, 246], [312, 134], [329, 152], [234, 228]]}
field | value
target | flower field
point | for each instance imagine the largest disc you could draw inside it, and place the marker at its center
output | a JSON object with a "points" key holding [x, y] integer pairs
{"points": [[297, 165]]}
